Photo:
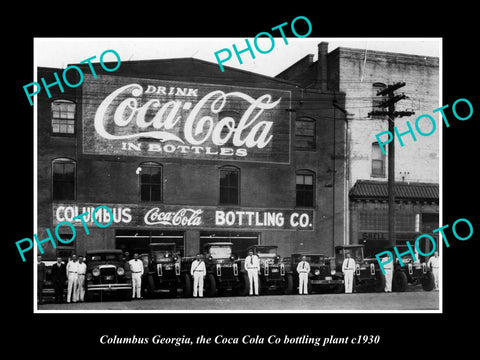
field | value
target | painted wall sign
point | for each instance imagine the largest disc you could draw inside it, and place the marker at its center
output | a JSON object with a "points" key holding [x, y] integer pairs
{"points": [[179, 216], [171, 119]]}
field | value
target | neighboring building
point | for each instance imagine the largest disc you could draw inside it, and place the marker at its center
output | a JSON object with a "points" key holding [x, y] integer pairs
{"points": [[181, 152], [360, 74]]}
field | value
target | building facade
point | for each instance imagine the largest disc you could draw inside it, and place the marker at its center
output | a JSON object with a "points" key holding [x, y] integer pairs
{"points": [[360, 74], [180, 152]]}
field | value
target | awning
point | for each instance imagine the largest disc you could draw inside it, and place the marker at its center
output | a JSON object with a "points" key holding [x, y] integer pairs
{"points": [[378, 190]]}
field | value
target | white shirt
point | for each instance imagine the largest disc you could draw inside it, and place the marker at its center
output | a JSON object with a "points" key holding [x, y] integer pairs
{"points": [[252, 262], [136, 266], [303, 267], [385, 265], [82, 268], [348, 264], [198, 266], [434, 262], [72, 267]]}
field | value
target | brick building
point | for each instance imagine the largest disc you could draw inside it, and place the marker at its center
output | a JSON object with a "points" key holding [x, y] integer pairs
{"points": [[181, 152], [360, 74]]}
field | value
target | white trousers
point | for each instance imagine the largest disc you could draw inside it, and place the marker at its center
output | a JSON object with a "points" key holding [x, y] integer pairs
{"points": [[436, 275], [80, 289], [388, 280], [303, 283], [198, 284], [136, 285], [253, 280], [348, 281], [71, 289]]}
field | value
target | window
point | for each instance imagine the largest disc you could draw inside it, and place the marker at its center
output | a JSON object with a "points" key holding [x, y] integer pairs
{"points": [[305, 134], [305, 189], [377, 100], [229, 185], [63, 179], [63, 117], [150, 181], [378, 161]]}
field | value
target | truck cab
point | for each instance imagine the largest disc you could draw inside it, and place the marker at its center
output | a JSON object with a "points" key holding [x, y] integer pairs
{"points": [[162, 270], [368, 275], [275, 274]]}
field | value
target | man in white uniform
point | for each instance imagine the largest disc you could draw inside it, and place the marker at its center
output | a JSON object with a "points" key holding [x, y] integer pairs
{"points": [[303, 268], [348, 267], [198, 271], [82, 269], [72, 275], [252, 265], [136, 266], [388, 267], [434, 264]]}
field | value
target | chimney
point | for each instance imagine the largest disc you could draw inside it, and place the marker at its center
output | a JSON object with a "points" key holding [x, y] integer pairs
{"points": [[322, 65]]}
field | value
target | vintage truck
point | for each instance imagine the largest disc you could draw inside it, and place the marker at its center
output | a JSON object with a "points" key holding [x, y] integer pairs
{"points": [[163, 272], [224, 272], [412, 272], [322, 277], [368, 275], [275, 274], [107, 274]]}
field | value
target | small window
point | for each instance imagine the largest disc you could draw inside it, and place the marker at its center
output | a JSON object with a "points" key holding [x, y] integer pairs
{"points": [[229, 185], [377, 100], [63, 179], [305, 134], [378, 161], [63, 117], [150, 181], [305, 189]]}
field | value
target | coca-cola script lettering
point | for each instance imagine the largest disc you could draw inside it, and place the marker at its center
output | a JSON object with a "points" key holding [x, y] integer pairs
{"points": [[182, 217], [188, 120]]}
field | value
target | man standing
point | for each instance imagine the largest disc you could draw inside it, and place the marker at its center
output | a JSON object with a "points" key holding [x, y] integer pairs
{"points": [[348, 267], [41, 274], [82, 269], [137, 271], [198, 271], [303, 268], [252, 265], [58, 278], [434, 264], [388, 267], [72, 274]]}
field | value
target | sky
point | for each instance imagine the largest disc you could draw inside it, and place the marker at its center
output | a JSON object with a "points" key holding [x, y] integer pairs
{"points": [[59, 52]]}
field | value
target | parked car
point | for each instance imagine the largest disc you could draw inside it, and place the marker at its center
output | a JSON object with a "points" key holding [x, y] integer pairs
{"points": [[412, 272], [107, 273]]}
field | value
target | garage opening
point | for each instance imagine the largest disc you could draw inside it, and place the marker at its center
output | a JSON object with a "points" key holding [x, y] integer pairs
{"points": [[137, 241], [241, 240]]}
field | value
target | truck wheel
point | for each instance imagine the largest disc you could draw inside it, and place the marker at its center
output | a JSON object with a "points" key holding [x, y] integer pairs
{"points": [[288, 284], [399, 281], [211, 285], [187, 286], [428, 282], [245, 284], [89, 295], [380, 283]]}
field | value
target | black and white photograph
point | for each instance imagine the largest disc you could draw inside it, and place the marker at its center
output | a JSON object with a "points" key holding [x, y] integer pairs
{"points": [[278, 189]]}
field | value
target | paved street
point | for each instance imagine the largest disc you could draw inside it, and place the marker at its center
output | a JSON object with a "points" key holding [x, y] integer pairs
{"points": [[412, 299]]}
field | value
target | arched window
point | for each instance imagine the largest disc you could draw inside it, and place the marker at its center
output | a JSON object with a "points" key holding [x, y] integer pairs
{"points": [[305, 131], [150, 181], [63, 117], [63, 179], [305, 188], [229, 185], [377, 100]]}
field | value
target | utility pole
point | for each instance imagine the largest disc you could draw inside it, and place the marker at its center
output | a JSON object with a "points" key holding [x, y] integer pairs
{"points": [[392, 114]]}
